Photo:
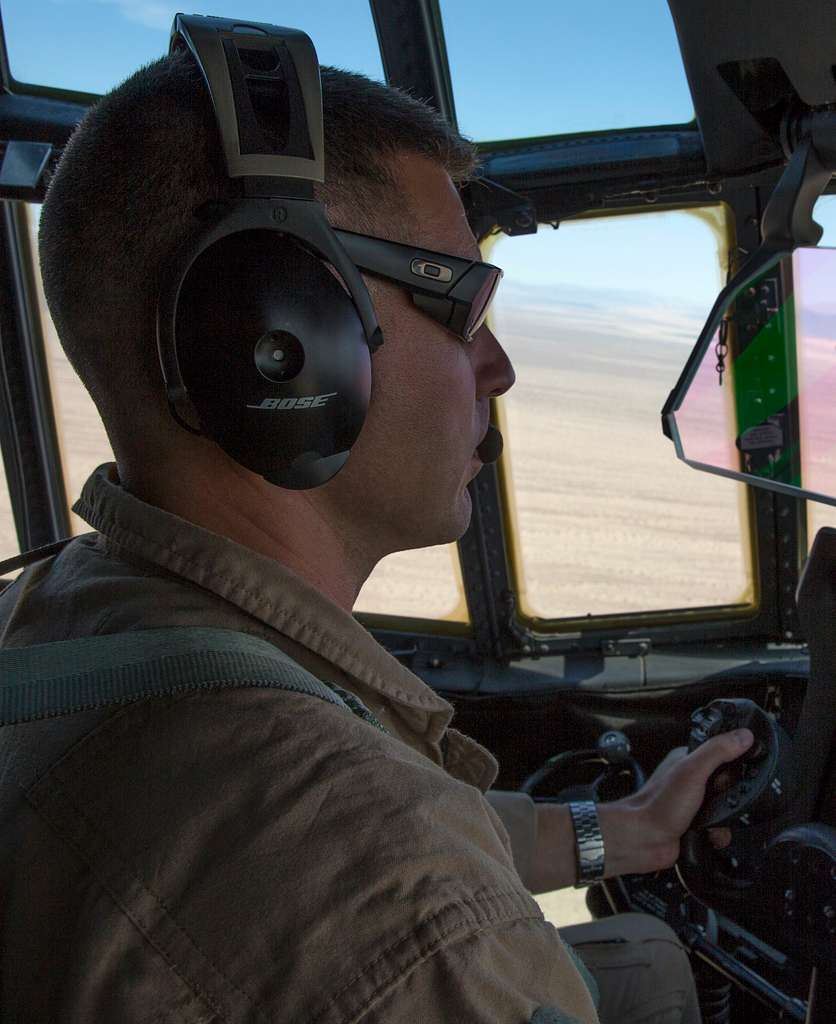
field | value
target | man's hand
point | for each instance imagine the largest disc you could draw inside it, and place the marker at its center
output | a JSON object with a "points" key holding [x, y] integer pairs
{"points": [[642, 832]]}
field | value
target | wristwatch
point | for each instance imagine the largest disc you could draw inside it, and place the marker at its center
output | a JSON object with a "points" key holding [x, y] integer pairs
{"points": [[589, 843]]}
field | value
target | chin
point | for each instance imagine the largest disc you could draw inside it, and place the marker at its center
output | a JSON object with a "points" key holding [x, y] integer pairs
{"points": [[457, 521], [443, 528]]}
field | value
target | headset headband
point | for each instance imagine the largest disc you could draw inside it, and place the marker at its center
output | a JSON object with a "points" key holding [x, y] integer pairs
{"points": [[248, 66]]}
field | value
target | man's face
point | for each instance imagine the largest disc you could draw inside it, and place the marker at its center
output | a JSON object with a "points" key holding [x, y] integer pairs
{"points": [[406, 479]]}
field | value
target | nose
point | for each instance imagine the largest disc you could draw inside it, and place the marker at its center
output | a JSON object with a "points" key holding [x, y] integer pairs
{"points": [[494, 372]]}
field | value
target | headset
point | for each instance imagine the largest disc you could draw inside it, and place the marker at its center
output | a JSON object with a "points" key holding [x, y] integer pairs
{"points": [[278, 366]]}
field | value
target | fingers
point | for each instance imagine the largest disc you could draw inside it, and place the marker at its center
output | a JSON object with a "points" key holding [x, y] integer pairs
{"points": [[721, 749]]}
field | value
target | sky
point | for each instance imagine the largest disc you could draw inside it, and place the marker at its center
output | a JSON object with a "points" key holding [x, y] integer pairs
{"points": [[92, 45]]}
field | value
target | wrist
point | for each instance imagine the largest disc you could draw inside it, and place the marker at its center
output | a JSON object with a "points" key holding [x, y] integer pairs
{"points": [[633, 845], [553, 860]]}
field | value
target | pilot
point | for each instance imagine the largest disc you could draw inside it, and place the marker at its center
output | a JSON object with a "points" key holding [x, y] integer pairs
{"points": [[249, 854]]}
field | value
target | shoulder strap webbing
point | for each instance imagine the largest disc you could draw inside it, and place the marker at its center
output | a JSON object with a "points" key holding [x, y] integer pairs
{"points": [[50, 680]]}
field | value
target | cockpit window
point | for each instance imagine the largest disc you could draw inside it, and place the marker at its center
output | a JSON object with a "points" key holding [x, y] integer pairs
{"points": [[422, 584], [597, 319], [8, 535], [546, 68], [81, 434], [92, 45]]}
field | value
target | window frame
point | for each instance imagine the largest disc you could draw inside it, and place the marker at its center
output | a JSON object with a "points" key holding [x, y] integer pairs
{"points": [[774, 528], [649, 618], [28, 434]]}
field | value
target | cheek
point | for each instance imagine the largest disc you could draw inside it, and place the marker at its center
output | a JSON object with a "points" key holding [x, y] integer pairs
{"points": [[400, 366], [423, 385], [425, 395]]}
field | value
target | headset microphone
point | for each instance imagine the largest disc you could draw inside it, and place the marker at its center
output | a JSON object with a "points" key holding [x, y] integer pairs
{"points": [[491, 447]]}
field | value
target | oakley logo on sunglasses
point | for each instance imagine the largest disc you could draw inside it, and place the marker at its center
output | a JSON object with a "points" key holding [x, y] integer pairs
{"points": [[436, 271], [306, 402]]}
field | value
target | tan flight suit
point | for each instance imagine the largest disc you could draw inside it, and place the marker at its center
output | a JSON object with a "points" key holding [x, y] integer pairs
{"points": [[266, 856]]}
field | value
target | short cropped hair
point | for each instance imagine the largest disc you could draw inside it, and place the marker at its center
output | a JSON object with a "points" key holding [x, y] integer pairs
{"points": [[139, 164]]}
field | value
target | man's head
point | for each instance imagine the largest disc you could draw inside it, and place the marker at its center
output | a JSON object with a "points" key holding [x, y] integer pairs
{"points": [[147, 156]]}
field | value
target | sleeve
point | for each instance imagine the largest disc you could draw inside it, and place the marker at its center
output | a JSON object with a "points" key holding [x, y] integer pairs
{"points": [[518, 813], [514, 974]]}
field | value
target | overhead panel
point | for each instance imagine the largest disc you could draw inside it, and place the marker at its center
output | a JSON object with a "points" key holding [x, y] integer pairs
{"points": [[746, 63]]}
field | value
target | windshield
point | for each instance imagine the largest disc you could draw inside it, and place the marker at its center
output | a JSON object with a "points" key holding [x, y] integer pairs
{"points": [[92, 45]]}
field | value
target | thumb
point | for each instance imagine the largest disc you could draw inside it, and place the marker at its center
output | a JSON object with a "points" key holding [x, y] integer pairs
{"points": [[721, 749]]}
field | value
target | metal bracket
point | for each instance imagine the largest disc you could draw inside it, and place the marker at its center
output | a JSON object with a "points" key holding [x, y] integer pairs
{"points": [[22, 170], [627, 647], [490, 205], [788, 218], [522, 640], [773, 703]]}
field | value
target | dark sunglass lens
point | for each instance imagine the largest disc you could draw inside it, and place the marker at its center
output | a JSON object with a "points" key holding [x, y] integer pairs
{"points": [[481, 303]]}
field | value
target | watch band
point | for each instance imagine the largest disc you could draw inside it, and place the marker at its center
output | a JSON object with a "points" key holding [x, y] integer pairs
{"points": [[589, 843]]}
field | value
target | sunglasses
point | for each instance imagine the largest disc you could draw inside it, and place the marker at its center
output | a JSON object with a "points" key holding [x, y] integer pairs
{"points": [[454, 291]]}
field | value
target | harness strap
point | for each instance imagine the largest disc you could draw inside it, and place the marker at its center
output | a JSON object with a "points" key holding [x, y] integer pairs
{"points": [[35, 555], [61, 678]]}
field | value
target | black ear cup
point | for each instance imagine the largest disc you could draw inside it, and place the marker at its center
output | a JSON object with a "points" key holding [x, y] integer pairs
{"points": [[274, 357]]}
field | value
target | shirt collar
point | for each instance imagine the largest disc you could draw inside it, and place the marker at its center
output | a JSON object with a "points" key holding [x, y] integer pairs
{"points": [[256, 584]]}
